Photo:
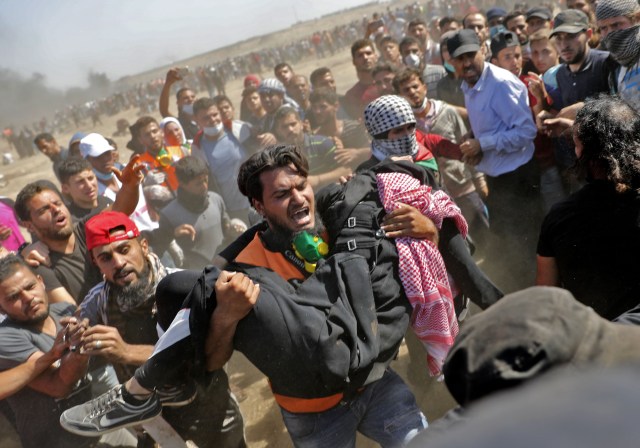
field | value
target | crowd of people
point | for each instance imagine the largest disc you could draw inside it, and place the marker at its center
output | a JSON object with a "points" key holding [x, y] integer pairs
{"points": [[488, 153]]}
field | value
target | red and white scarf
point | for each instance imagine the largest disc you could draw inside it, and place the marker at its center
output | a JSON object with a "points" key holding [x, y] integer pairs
{"points": [[421, 267]]}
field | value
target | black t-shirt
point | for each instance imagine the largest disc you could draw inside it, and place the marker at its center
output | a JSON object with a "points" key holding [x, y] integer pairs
{"points": [[594, 235], [188, 125], [592, 78], [49, 278], [75, 271], [77, 212]]}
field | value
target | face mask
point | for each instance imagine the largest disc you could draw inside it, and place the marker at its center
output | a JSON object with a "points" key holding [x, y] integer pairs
{"points": [[423, 106], [448, 67], [188, 109], [102, 176], [412, 60], [403, 146], [212, 131], [624, 45]]}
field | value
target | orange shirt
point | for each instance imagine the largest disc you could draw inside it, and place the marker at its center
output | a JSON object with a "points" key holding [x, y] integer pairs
{"points": [[256, 254], [175, 153]]}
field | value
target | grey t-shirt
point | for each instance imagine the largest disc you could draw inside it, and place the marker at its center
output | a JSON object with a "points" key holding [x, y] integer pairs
{"points": [[224, 157], [209, 225], [37, 414]]}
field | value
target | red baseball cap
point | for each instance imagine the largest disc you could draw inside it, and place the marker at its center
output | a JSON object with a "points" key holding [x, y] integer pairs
{"points": [[98, 229]]}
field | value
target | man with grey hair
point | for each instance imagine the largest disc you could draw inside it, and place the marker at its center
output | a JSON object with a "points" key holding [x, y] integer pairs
{"points": [[619, 23]]}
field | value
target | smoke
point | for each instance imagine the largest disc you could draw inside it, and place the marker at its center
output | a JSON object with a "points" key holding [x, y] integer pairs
{"points": [[30, 98]]}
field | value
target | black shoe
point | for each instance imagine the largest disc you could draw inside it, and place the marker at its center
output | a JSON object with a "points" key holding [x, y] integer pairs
{"points": [[177, 395], [107, 413]]}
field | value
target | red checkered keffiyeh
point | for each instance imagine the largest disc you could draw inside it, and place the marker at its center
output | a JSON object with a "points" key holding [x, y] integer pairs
{"points": [[421, 267]]}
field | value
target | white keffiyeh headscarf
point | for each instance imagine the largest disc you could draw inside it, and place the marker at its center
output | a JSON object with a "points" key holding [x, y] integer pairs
{"points": [[386, 113]]}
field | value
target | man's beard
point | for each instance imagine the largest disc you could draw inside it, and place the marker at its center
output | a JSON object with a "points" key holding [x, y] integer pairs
{"points": [[38, 318], [134, 294], [579, 57], [281, 237], [59, 235]]}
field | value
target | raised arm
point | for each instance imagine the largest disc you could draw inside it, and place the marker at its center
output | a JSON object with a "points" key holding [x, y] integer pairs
{"points": [[172, 77], [131, 177]]}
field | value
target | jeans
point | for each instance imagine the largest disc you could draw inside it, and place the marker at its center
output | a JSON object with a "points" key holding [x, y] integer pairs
{"points": [[385, 411]]}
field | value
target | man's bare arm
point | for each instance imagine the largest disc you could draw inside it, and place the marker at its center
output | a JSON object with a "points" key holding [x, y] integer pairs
{"points": [[318, 181], [12, 380], [59, 381], [131, 177], [163, 105], [547, 273]]}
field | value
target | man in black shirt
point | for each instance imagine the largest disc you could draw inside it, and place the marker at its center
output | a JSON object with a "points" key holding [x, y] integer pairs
{"points": [[585, 72], [589, 243]]}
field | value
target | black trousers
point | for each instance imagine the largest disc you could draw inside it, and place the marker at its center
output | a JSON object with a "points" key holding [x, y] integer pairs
{"points": [[213, 419], [515, 214]]}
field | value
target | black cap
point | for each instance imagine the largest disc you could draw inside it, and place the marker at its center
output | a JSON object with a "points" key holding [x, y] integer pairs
{"points": [[464, 41], [494, 13], [503, 40], [570, 21], [539, 11]]}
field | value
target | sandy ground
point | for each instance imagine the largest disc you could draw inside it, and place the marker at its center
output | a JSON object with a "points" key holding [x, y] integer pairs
{"points": [[263, 423]]}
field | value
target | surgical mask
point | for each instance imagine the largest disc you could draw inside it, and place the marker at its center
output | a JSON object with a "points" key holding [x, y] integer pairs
{"points": [[412, 60], [403, 146], [212, 131], [105, 177], [187, 109], [448, 67]]}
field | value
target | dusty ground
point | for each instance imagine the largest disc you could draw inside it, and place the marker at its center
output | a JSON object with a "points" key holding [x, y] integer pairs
{"points": [[264, 426]]}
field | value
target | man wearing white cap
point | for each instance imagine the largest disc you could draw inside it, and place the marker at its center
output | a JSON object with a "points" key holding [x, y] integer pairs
{"points": [[97, 150]]}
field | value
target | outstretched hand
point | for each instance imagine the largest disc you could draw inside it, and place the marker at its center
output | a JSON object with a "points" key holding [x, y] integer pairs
{"points": [[132, 174]]}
